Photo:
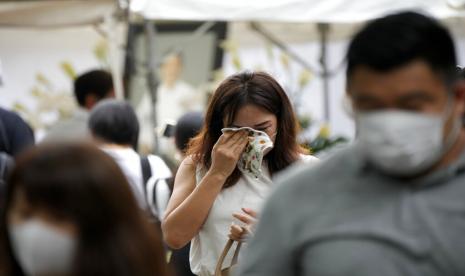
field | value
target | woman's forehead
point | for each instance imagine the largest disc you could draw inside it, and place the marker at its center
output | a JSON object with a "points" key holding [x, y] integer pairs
{"points": [[251, 115]]}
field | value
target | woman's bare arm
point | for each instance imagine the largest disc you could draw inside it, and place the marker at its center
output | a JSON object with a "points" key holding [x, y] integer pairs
{"points": [[190, 203]]}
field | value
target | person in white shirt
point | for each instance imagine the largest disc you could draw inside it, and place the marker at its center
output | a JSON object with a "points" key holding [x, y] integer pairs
{"points": [[220, 182], [114, 126]]}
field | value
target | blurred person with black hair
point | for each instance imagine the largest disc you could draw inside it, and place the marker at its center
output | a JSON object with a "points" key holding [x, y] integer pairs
{"points": [[89, 89], [187, 127], [114, 126], [69, 211], [393, 203], [15, 136]]}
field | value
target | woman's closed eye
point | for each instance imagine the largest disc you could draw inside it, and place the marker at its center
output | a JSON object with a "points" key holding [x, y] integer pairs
{"points": [[263, 128]]}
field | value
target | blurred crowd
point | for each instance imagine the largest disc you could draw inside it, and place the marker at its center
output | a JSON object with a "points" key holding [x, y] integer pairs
{"points": [[234, 193]]}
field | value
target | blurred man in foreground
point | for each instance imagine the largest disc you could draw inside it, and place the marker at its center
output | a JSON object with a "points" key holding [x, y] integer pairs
{"points": [[393, 203]]}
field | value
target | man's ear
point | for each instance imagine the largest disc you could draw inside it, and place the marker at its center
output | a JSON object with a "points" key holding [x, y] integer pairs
{"points": [[90, 101]]}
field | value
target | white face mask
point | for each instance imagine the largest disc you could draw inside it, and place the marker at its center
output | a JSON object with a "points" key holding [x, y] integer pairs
{"points": [[40, 249], [402, 143], [251, 159]]}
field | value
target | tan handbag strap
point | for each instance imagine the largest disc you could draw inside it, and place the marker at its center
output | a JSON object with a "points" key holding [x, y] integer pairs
{"points": [[223, 255]]}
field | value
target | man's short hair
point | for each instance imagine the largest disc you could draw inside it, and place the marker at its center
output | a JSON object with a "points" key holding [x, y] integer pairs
{"points": [[114, 121], [96, 82], [395, 40]]}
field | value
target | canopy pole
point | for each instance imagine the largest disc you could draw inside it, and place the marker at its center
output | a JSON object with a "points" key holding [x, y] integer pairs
{"points": [[281, 45], [323, 29], [152, 80]]}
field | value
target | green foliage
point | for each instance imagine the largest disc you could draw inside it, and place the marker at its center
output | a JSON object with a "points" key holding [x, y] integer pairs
{"points": [[68, 69], [320, 144]]}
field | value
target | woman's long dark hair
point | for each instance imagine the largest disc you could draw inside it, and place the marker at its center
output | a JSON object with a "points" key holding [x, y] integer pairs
{"points": [[256, 88], [82, 184]]}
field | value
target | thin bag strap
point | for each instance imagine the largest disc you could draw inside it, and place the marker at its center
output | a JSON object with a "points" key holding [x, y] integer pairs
{"points": [[146, 169], [146, 173], [226, 249], [154, 197]]}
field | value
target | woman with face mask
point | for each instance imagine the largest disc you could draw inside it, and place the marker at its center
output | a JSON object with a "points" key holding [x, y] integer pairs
{"points": [[70, 211], [249, 135]]}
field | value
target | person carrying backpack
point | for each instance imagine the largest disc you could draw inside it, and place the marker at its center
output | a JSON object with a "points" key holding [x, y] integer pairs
{"points": [[115, 128]]}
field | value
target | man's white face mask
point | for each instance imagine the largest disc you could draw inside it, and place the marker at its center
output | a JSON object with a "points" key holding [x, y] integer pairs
{"points": [[259, 145], [404, 143]]}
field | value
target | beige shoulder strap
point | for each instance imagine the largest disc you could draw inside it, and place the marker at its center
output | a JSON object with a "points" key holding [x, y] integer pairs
{"points": [[223, 255]]}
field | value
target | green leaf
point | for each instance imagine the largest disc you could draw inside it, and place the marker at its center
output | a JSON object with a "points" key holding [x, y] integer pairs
{"points": [[68, 69]]}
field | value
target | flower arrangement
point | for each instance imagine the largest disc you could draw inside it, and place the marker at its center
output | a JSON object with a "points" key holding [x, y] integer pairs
{"points": [[52, 104]]}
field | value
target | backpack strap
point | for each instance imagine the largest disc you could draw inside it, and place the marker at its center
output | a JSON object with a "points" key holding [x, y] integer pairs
{"points": [[146, 175], [154, 196], [146, 170]]}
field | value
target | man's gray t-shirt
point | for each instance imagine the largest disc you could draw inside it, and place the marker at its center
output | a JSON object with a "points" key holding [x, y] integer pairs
{"points": [[342, 217]]}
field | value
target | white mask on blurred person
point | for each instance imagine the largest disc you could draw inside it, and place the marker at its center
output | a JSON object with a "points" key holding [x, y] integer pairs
{"points": [[402, 143], [41, 249], [251, 159]]}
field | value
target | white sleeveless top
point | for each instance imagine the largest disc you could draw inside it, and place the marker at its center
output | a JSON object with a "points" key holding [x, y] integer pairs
{"points": [[248, 192]]}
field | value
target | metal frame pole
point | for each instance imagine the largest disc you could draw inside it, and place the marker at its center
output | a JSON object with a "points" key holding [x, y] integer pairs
{"points": [[152, 80], [323, 29]]}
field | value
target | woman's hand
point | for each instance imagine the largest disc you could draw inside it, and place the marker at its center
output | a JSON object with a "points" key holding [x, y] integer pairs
{"points": [[227, 152], [242, 233]]}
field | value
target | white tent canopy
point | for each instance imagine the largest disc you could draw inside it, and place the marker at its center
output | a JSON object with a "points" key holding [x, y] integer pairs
{"points": [[325, 11], [343, 16], [53, 13]]}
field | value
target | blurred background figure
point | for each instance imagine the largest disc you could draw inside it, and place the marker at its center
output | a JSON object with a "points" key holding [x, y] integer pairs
{"points": [[69, 211], [187, 127], [114, 126], [89, 88], [174, 98]]}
